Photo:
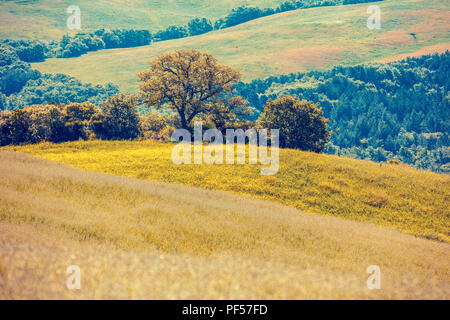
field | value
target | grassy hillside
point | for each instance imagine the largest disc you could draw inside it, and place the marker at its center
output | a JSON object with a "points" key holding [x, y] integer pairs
{"points": [[46, 19], [295, 41], [395, 196], [140, 239]]}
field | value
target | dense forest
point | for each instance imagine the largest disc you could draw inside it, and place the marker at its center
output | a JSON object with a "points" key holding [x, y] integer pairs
{"points": [[80, 43], [20, 85], [398, 110]]}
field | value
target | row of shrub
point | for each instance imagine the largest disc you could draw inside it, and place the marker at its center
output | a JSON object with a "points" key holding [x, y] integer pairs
{"points": [[80, 43], [100, 39], [116, 119], [119, 117], [247, 13], [301, 123], [25, 50], [243, 14]]}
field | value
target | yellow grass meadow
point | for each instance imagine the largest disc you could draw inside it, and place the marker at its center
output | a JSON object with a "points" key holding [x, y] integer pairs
{"points": [[139, 239], [395, 196]]}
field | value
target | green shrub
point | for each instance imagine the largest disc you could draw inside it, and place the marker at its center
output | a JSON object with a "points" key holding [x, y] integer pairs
{"points": [[301, 123], [79, 120], [120, 119], [157, 126], [20, 123], [5, 128], [46, 123]]}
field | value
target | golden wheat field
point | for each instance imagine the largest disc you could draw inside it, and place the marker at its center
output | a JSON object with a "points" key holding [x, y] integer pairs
{"points": [[395, 196], [144, 239]]}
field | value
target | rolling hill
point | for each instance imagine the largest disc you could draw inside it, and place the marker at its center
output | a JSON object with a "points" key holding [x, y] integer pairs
{"points": [[46, 19], [141, 227], [294, 41], [395, 196], [149, 240]]}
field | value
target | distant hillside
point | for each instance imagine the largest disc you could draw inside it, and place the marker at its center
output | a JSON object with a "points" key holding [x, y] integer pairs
{"points": [[46, 19], [85, 40], [397, 110], [294, 41]]}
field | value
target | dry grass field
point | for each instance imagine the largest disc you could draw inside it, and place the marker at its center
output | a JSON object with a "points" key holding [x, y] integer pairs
{"points": [[141, 239], [395, 196]]}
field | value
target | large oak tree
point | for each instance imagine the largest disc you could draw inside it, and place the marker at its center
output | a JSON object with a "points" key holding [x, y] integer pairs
{"points": [[189, 82]]}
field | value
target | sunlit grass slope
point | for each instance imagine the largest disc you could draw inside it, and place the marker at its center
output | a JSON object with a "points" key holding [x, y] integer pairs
{"points": [[395, 196], [46, 19], [143, 239], [295, 41]]}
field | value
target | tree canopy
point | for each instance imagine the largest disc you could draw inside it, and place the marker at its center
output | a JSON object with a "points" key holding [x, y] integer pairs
{"points": [[187, 81]]}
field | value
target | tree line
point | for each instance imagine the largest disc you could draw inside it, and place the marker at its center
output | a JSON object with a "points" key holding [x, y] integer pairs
{"points": [[20, 85], [78, 44], [246, 13], [117, 118], [188, 85]]}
